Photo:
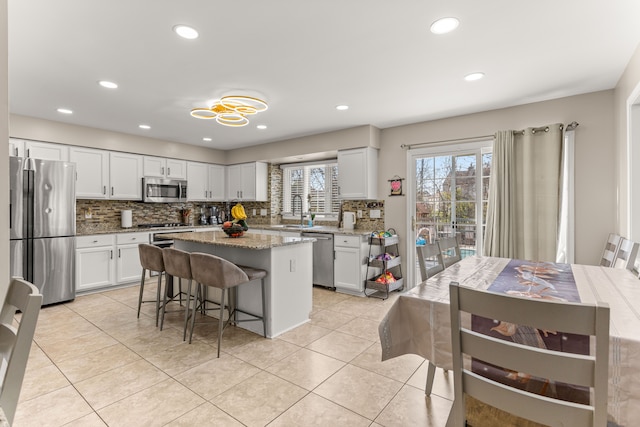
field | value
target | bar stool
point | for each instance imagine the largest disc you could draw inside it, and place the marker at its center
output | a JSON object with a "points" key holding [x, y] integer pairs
{"points": [[177, 264], [150, 259], [210, 270]]}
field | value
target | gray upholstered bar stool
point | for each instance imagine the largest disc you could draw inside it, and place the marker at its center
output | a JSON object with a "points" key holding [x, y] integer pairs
{"points": [[177, 264], [150, 259], [210, 270]]}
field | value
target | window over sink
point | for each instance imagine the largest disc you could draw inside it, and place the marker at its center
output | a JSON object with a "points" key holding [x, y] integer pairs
{"points": [[317, 185]]}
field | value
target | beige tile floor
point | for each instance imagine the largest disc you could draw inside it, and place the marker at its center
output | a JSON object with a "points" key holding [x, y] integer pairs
{"points": [[93, 363]]}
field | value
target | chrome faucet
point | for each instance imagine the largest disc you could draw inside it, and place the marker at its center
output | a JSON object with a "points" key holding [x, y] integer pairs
{"points": [[293, 207]]}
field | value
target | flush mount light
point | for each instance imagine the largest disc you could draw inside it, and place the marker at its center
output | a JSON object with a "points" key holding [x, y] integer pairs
{"points": [[207, 139], [474, 76], [342, 107], [107, 84], [186, 32], [261, 127], [444, 25], [64, 111], [231, 110], [144, 126]]}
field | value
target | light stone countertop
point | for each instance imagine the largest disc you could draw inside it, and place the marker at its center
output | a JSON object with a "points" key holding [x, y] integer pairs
{"points": [[247, 241], [86, 230]]}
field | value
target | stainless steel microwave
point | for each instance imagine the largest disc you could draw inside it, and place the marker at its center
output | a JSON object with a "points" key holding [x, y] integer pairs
{"points": [[158, 190]]}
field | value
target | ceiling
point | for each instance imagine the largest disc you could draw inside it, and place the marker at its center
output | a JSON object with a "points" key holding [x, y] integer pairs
{"points": [[304, 58]]}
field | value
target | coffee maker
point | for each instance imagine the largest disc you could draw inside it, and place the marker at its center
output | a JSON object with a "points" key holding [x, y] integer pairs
{"points": [[214, 218], [203, 216]]}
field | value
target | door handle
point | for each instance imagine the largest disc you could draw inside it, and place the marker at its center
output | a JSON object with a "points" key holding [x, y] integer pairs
{"points": [[162, 170], [119, 254], [168, 171], [111, 254], [104, 189], [112, 191]]}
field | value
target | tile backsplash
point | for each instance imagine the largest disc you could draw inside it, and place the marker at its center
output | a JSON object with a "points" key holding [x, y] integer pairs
{"points": [[105, 214]]}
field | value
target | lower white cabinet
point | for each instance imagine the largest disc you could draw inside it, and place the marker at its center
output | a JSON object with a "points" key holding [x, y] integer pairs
{"points": [[107, 260], [349, 265]]}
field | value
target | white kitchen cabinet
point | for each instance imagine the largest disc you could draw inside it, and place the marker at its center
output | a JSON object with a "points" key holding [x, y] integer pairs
{"points": [[92, 169], [38, 150], [205, 182], [357, 173], [125, 176], [95, 264], [128, 267], [247, 181], [160, 167], [349, 266], [107, 260]]}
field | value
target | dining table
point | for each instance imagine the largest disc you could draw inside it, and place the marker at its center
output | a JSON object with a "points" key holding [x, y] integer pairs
{"points": [[418, 322]]}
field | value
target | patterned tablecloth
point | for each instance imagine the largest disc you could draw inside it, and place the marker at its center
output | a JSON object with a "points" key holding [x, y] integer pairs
{"points": [[418, 322]]}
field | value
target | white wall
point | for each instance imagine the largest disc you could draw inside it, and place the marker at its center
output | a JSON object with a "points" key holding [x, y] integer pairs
{"points": [[627, 85], [63, 133], [595, 158]]}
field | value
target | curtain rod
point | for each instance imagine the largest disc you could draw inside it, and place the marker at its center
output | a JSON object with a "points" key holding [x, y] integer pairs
{"points": [[571, 126]]}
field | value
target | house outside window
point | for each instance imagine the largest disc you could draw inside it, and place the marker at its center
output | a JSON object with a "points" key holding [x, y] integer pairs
{"points": [[317, 185]]}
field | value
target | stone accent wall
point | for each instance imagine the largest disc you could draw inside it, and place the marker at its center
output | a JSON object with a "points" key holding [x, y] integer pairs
{"points": [[105, 214]]}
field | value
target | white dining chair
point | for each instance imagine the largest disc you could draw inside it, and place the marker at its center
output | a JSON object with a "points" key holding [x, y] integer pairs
{"points": [[429, 260], [554, 366], [15, 342], [626, 254], [610, 249], [449, 251]]}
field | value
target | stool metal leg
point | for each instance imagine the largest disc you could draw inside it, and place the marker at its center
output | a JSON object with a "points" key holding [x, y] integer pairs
{"points": [[221, 320], [264, 308], [144, 272]]}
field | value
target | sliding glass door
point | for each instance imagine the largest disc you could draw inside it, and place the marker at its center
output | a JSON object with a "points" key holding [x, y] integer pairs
{"points": [[450, 185]]}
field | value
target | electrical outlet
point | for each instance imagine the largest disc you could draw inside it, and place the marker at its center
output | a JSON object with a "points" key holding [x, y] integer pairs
{"points": [[292, 265], [374, 213], [87, 213], [254, 212], [263, 212], [359, 213]]}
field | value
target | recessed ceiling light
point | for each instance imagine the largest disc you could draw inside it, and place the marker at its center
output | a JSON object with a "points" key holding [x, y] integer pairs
{"points": [[474, 76], [186, 32], [144, 127], [261, 126], [207, 139], [444, 25], [342, 107], [108, 84], [64, 111]]}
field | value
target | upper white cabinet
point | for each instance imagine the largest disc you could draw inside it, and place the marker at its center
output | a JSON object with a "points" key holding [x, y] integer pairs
{"points": [[38, 150], [125, 176], [205, 182], [107, 175], [92, 169], [247, 181], [357, 173], [160, 167]]}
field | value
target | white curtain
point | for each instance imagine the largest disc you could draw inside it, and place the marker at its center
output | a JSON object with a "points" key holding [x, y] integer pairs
{"points": [[524, 201], [566, 232]]}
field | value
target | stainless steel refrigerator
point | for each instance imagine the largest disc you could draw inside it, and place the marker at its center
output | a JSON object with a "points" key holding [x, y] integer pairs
{"points": [[42, 215]]}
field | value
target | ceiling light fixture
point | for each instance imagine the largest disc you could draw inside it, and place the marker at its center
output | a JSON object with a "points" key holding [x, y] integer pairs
{"points": [[108, 84], [144, 126], [64, 111], [444, 25], [261, 127], [186, 32], [207, 139], [474, 76], [342, 107], [231, 110]]}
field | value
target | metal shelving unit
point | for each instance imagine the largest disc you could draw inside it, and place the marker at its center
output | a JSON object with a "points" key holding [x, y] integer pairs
{"points": [[377, 284]]}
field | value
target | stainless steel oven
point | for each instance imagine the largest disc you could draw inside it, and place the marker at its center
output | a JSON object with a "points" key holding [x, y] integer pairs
{"points": [[158, 190]]}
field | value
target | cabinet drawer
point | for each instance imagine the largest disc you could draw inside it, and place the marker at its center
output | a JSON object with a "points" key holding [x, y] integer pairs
{"points": [[94, 241], [124, 238], [347, 241]]}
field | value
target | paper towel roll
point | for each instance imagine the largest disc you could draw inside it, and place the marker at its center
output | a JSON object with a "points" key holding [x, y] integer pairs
{"points": [[126, 218]]}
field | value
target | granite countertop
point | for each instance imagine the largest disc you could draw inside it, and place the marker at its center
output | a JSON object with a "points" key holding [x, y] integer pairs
{"points": [[247, 241], [85, 230]]}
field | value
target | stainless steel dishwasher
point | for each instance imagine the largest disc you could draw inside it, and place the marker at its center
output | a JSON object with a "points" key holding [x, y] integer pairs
{"points": [[322, 258]]}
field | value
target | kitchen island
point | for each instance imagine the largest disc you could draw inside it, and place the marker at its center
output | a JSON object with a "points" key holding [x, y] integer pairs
{"points": [[289, 281]]}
